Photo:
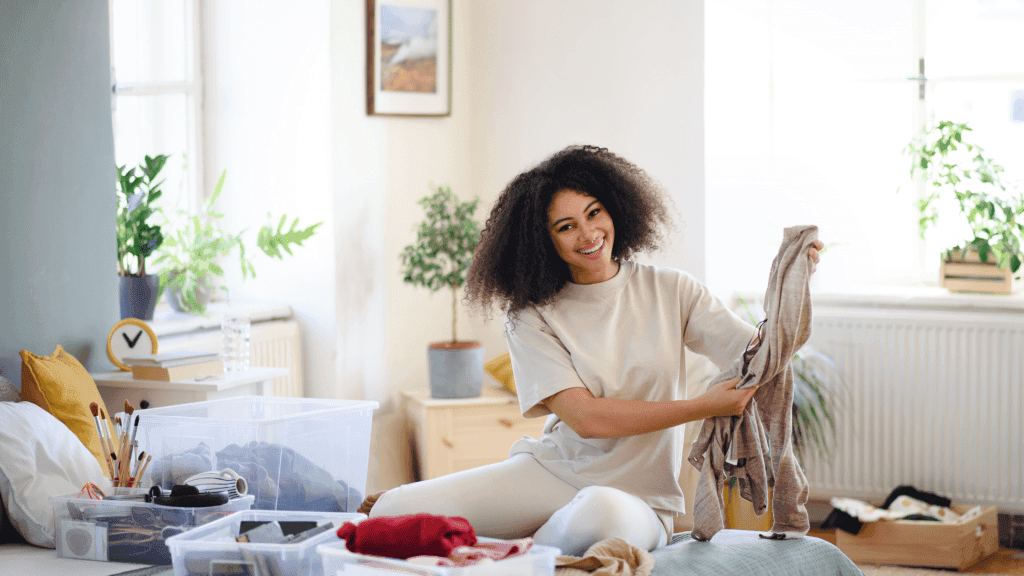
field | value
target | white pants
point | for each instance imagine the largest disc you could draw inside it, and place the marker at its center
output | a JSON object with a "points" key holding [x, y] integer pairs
{"points": [[519, 498]]}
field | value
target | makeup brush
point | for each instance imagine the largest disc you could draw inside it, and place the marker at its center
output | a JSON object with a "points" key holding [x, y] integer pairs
{"points": [[99, 432], [129, 409], [124, 455], [117, 478], [142, 473], [124, 459], [135, 431], [138, 466], [107, 431]]}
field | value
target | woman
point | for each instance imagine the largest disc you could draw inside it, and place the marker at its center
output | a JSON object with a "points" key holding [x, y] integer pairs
{"points": [[597, 345]]}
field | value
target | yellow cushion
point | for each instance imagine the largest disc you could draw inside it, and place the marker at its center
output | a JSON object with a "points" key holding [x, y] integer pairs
{"points": [[60, 385], [501, 368]]}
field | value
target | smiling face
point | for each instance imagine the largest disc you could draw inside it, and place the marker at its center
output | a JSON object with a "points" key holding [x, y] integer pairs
{"points": [[583, 234]]}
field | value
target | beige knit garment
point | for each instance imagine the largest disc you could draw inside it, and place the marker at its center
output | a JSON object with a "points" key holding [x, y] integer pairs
{"points": [[610, 557], [735, 446]]}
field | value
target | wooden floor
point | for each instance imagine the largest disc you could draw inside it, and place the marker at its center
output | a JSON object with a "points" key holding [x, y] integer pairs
{"points": [[1002, 562]]}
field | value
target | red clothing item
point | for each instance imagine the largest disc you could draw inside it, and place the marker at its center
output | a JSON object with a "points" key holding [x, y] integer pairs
{"points": [[406, 536]]}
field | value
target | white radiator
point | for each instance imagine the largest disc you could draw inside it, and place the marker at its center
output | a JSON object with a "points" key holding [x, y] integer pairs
{"points": [[933, 399], [274, 343]]}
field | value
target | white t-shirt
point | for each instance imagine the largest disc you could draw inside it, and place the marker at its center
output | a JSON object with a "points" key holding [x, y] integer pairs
{"points": [[622, 338]]}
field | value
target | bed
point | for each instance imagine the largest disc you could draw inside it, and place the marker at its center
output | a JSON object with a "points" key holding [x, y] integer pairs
{"points": [[744, 552]]}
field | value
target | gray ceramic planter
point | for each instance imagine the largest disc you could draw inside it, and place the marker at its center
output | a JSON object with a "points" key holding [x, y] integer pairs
{"points": [[137, 296], [456, 369]]}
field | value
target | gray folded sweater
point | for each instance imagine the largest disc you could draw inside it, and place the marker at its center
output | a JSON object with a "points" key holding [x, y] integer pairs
{"points": [[735, 446]]}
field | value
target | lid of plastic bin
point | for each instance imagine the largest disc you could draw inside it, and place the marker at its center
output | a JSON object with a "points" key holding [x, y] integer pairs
{"points": [[256, 409]]}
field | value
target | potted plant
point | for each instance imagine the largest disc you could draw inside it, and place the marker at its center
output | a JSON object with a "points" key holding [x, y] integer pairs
{"points": [[137, 189], [988, 259], [440, 258], [189, 253]]}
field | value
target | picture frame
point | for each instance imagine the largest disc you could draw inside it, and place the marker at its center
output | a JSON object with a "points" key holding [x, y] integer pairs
{"points": [[408, 57]]}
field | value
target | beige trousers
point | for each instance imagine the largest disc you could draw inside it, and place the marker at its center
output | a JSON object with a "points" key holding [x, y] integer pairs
{"points": [[519, 498]]}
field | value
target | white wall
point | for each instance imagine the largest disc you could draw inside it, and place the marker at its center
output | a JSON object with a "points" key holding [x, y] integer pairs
{"points": [[287, 87], [624, 75], [269, 106]]}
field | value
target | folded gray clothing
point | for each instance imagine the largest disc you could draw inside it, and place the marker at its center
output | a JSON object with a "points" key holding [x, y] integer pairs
{"points": [[736, 446], [279, 477]]}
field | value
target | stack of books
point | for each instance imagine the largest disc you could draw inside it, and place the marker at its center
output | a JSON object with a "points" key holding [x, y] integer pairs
{"points": [[179, 365]]}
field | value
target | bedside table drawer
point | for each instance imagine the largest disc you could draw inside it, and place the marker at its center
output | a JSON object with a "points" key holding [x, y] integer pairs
{"points": [[483, 434], [458, 434]]}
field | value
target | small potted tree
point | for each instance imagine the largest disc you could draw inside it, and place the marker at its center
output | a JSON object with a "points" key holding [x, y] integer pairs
{"points": [[137, 189], [440, 258], [988, 260]]}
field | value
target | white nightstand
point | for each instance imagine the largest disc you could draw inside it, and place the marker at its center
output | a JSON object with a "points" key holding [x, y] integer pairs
{"points": [[116, 387]]}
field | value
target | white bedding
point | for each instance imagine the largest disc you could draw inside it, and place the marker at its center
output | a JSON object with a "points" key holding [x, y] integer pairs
{"points": [[28, 559]]}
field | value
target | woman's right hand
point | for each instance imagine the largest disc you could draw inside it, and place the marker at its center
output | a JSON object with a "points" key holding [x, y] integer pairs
{"points": [[723, 399]]}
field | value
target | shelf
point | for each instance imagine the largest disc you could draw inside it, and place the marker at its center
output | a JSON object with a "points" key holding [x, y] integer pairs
{"points": [[217, 383]]}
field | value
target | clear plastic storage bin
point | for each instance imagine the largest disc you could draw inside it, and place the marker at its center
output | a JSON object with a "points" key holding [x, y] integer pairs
{"points": [[294, 453], [337, 560], [127, 530], [212, 549]]}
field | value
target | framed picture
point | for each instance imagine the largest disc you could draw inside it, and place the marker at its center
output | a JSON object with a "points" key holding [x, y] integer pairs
{"points": [[408, 57]]}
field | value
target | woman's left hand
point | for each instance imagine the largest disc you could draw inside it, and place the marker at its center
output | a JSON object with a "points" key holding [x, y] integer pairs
{"points": [[815, 251]]}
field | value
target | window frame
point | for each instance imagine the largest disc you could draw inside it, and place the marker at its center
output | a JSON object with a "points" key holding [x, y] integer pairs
{"points": [[191, 88]]}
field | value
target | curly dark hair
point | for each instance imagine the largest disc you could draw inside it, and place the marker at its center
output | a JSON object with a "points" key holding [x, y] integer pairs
{"points": [[515, 263]]}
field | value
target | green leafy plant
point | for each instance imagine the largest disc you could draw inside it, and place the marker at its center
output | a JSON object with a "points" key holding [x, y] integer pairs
{"points": [[189, 254], [137, 189], [992, 208], [444, 246]]}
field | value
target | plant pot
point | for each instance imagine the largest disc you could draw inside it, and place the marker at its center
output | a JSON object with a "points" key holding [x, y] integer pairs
{"points": [[138, 296], [456, 369], [740, 515], [967, 273], [204, 294]]}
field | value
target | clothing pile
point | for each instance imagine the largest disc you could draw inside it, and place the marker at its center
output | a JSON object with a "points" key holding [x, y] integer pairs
{"points": [[451, 542], [903, 503], [427, 539], [756, 447], [279, 477]]}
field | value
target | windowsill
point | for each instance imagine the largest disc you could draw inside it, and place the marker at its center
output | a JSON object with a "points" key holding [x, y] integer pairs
{"points": [[167, 322], [914, 295]]}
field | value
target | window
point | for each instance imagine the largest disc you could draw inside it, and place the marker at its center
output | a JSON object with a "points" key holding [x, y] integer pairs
{"points": [[809, 106], [157, 92]]}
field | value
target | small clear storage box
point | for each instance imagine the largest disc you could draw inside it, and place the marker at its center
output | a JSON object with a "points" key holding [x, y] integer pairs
{"points": [[127, 530], [338, 561], [294, 453], [212, 549]]}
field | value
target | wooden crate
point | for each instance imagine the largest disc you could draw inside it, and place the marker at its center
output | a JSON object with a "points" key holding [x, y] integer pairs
{"points": [[973, 275], [927, 544]]}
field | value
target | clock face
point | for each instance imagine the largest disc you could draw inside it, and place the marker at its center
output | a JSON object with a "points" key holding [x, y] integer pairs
{"points": [[130, 337]]}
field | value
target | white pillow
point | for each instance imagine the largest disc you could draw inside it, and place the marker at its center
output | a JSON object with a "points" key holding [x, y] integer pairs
{"points": [[39, 458]]}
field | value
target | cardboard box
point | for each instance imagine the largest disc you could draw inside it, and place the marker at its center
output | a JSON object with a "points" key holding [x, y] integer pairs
{"points": [[957, 545]]}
